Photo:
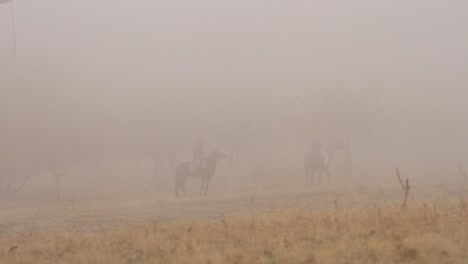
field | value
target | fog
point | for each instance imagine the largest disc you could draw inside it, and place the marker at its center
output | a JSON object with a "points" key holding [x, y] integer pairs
{"points": [[113, 95]]}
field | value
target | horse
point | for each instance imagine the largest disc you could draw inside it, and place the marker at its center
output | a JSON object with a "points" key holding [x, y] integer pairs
{"points": [[204, 171], [316, 162]]}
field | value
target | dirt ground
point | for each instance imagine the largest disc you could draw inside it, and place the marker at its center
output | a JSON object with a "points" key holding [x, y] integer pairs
{"points": [[346, 212]]}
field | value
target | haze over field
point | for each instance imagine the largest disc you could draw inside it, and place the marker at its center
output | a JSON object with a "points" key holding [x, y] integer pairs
{"points": [[97, 84], [290, 115]]}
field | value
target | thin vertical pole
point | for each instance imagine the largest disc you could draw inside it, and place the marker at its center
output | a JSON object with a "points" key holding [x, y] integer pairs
{"points": [[13, 25]]}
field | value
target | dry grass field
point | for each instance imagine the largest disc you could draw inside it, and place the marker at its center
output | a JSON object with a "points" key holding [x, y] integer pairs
{"points": [[296, 226]]}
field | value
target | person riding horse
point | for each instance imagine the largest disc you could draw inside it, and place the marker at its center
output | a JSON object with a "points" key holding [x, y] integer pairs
{"points": [[316, 154], [204, 172], [316, 161]]}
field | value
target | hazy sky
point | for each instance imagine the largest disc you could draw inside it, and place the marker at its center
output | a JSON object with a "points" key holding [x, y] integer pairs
{"points": [[400, 47], [357, 38], [132, 59]]}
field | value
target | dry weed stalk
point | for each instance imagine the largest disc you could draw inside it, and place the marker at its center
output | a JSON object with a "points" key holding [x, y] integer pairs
{"points": [[435, 212], [405, 187]]}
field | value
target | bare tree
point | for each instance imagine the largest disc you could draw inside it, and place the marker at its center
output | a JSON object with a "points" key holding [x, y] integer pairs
{"points": [[462, 171], [11, 181]]}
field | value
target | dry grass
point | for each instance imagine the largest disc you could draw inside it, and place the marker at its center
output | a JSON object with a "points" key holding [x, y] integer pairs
{"points": [[423, 233]]}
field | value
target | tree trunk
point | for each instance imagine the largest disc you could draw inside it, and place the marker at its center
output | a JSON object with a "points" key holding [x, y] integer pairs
{"points": [[99, 170], [348, 161], [158, 168]]}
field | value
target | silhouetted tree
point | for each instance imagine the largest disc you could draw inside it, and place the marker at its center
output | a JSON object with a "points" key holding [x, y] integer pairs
{"points": [[345, 118]]}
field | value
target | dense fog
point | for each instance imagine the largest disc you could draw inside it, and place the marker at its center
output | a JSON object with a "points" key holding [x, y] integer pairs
{"points": [[114, 94]]}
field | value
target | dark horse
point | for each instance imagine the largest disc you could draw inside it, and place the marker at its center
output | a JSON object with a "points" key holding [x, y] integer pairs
{"points": [[204, 172], [316, 162]]}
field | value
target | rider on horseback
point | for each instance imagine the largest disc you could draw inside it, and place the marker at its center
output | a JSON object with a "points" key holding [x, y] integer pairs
{"points": [[317, 154]]}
